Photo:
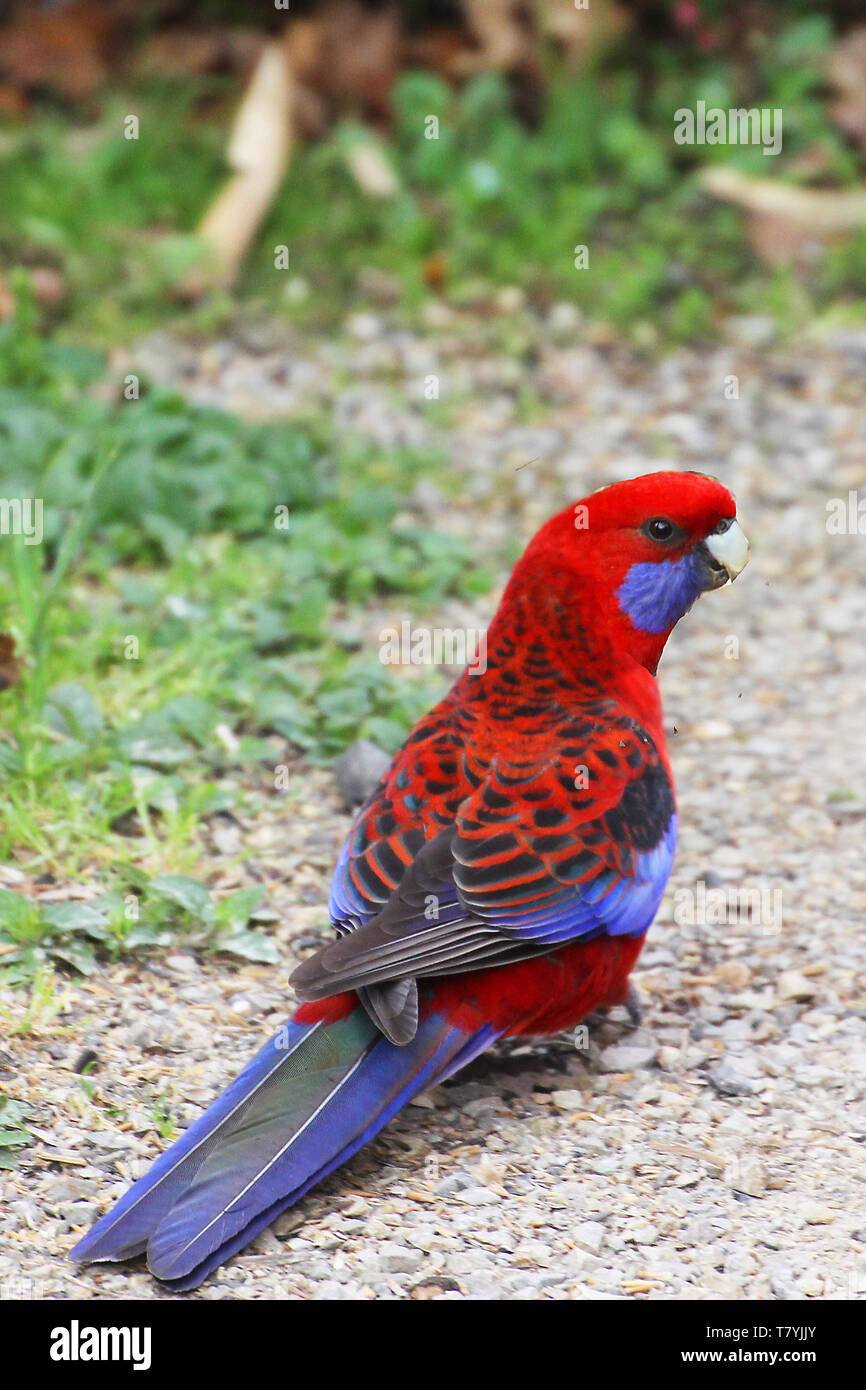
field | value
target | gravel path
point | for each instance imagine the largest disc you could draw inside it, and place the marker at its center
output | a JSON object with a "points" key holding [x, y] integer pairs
{"points": [[717, 1151]]}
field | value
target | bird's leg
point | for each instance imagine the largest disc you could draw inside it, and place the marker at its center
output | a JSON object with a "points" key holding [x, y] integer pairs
{"points": [[630, 1001], [633, 1005]]}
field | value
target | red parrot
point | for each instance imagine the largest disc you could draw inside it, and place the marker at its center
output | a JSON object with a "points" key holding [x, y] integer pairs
{"points": [[500, 879]]}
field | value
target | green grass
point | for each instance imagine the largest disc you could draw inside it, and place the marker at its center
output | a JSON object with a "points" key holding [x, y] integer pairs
{"points": [[496, 202], [177, 644]]}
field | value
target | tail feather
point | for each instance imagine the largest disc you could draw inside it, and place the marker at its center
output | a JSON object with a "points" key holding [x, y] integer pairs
{"points": [[308, 1101]]}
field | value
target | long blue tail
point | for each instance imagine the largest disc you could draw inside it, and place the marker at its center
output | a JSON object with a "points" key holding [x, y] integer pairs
{"points": [[307, 1101]]}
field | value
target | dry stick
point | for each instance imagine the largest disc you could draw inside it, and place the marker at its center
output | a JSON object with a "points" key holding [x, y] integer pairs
{"points": [[821, 210], [259, 150]]}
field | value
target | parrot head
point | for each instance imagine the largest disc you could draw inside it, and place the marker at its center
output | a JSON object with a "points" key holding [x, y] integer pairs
{"points": [[689, 543], [632, 558]]}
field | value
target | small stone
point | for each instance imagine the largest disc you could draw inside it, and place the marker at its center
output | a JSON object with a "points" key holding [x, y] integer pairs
{"points": [[568, 1100], [509, 299], [186, 965], [727, 1082], [752, 330], [735, 973], [226, 837], [815, 1215], [478, 1196], [447, 1186], [531, 1254], [710, 729], [364, 327], [792, 985], [392, 1258], [811, 1283], [79, 1213], [243, 1005], [140, 1035], [625, 1057], [589, 1236], [358, 769], [642, 1233], [564, 319], [747, 1175]]}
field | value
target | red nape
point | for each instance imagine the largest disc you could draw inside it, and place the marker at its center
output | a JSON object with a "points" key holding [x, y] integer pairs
{"points": [[326, 1010], [543, 995]]}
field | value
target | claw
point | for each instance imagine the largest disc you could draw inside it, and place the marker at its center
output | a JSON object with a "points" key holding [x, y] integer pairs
{"points": [[633, 1006]]}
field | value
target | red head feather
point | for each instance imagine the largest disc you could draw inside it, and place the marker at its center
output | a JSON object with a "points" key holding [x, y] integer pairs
{"points": [[588, 577]]}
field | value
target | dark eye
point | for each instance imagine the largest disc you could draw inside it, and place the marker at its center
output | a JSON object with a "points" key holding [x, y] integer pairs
{"points": [[659, 529], [722, 526]]}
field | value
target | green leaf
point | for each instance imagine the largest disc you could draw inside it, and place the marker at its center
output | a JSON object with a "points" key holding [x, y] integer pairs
{"points": [[187, 893], [250, 945], [79, 954], [72, 710], [236, 908]]}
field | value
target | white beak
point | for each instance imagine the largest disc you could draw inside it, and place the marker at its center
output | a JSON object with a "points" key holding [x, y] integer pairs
{"points": [[730, 548]]}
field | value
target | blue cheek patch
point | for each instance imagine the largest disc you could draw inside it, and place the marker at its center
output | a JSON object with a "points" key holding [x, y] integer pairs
{"points": [[656, 595]]}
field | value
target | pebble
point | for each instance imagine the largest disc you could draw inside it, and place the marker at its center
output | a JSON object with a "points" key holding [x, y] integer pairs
{"points": [[816, 1215], [747, 1175], [568, 1100], [589, 1235], [358, 769], [479, 1196], [728, 1082], [792, 985], [624, 1057]]}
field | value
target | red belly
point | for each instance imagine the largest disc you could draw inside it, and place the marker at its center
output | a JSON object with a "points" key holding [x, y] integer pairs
{"points": [[542, 995]]}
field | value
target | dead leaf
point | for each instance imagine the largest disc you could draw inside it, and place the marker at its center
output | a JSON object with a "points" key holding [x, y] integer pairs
{"points": [[221, 48], [446, 51], [579, 32], [10, 668], [7, 301], [846, 72], [348, 56], [65, 48], [48, 285], [435, 271], [501, 32]]}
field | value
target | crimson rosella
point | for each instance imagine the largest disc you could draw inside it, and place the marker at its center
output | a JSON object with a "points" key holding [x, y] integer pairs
{"points": [[500, 879]]}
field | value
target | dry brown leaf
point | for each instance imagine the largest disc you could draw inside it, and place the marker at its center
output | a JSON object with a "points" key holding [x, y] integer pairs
{"points": [[348, 56], [846, 72], [579, 32], [221, 48], [435, 271], [7, 301], [48, 285], [10, 668], [65, 48], [501, 30], [447, 51]]}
